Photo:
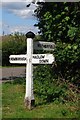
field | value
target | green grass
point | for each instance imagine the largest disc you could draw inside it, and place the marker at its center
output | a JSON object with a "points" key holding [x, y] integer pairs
{"points": [[0, 100], [13, 105]]}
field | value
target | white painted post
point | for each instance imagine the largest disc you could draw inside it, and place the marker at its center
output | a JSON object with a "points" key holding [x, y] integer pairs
{"points": [[30, 59], [29, 96]]}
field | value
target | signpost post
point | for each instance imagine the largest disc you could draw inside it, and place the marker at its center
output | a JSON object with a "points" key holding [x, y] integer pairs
{"points": [[29, 96], [29, 59]]}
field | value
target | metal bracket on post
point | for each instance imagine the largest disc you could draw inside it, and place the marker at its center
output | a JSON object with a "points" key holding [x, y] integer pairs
{"points": [[29, 96]]}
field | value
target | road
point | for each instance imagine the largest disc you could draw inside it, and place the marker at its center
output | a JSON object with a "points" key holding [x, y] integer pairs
{"points": [[12, 72]]}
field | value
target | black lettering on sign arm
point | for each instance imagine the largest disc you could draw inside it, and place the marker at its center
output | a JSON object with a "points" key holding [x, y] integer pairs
{"points": [[44, 61]]}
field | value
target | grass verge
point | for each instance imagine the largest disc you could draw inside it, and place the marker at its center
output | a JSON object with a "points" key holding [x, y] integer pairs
{"points": [[13, 105]]}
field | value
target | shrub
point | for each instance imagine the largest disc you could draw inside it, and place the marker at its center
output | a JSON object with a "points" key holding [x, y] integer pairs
{"points": [[13, 44]]}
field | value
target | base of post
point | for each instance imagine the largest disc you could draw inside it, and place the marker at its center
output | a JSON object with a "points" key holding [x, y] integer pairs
{"points": [[29, 103]]}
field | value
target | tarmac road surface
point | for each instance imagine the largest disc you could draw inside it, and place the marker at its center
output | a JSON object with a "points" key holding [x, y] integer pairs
{"points": [[12, 72]]}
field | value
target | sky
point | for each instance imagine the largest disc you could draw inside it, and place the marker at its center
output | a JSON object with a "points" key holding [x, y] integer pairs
{"points": [[16, 17]]}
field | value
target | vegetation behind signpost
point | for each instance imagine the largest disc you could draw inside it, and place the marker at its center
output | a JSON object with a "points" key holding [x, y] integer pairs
{"points": [[12, 44], [59, 23]]}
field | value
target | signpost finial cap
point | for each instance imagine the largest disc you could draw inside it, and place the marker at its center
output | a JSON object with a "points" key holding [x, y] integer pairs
{"points": [[30, 34]]}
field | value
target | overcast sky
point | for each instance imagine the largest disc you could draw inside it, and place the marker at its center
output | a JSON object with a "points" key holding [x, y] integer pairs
{"points": [[16, 17]]}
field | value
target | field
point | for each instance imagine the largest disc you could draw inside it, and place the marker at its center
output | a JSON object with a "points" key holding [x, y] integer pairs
{"points": [[13, 105], [0, 100]]}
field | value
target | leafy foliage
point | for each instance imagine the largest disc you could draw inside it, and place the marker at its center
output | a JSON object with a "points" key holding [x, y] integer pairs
{"points": [[14, 44], [59, 23], [56, 19], [50, 88]]}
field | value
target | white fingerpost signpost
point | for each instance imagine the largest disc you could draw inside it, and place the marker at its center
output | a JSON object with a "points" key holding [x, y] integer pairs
{"points": [[29, 96], [29, 59]]}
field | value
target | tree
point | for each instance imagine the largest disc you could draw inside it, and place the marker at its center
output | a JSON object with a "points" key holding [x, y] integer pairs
{"points": [[59, 22], [56, 19]]}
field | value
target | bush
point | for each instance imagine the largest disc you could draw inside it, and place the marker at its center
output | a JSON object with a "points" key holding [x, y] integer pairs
{"points": [[59, 23], [67, 61], [12, 45], [45, 86]]}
